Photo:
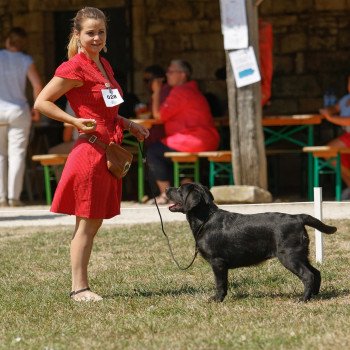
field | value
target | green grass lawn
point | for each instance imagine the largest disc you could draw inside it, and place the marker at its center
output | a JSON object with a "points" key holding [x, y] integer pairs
{"points": [[150, 304]]}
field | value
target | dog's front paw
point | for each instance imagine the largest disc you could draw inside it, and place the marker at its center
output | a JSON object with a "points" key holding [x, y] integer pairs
{"points": [[216, 298]]}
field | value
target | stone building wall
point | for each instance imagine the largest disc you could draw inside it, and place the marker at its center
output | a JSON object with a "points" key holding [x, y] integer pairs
{"points": [[311, 52], [191, 30], [311, 46]]}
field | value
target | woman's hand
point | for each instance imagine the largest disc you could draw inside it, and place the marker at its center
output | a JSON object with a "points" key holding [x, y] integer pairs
{"points": [[87, 126], [156, 85], [139, 131]]}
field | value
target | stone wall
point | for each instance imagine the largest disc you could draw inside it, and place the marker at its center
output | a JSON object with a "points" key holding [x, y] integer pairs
{"points": [[191, 30], [311, 52]]}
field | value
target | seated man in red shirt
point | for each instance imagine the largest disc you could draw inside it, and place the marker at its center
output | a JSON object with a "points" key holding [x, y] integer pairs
{"points": [[188, 123]]}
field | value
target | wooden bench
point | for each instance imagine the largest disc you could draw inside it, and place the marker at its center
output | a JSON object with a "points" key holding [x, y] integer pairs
{"points": [[184, 161], [50, 162], [327, 160], [220, 165]]}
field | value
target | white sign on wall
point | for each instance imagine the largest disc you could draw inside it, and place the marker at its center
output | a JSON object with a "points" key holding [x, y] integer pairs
{"points": [[234, 24], [245, 67]]}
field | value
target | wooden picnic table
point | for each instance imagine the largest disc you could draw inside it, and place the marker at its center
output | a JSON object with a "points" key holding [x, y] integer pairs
{"points": [[290, 128]]}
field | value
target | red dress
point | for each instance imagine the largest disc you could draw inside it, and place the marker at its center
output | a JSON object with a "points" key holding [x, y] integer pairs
{"points": [[86, 188]]}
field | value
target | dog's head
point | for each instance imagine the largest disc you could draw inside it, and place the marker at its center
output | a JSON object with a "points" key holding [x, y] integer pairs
{"points": [[188, 196]]}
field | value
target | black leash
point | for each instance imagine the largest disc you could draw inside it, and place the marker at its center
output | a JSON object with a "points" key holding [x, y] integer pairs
{"points": [[161, 219]]}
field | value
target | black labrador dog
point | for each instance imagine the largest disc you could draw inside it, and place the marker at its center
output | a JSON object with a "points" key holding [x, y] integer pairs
{"points": [[229, 240]]}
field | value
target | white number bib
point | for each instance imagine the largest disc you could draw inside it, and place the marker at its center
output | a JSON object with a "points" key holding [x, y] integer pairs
{"points": [[112, 97]]}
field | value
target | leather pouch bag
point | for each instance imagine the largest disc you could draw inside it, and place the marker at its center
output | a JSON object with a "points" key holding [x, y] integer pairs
{"points": [[118, 160]]}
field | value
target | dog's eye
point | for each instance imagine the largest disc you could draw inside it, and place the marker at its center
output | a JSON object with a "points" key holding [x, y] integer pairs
{"points": [[180, 192]]}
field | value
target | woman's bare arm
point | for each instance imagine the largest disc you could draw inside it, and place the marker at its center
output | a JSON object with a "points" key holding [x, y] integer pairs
{"points": [[45, 103]]}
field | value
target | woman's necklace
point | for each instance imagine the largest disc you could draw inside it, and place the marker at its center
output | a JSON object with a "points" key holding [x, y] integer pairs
{"points": [[105, 75]]}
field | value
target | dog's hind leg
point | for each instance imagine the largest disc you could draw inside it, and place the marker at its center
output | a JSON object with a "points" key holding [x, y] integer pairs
{"points": [[221, 279], [301, 270], [317, 278]]}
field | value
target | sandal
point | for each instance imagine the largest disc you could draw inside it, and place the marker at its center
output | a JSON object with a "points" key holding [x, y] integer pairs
{"points": [[73, 292], [87, 298]]}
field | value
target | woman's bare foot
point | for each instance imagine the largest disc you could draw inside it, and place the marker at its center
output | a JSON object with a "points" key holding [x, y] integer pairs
{"points": [[85, 294]]}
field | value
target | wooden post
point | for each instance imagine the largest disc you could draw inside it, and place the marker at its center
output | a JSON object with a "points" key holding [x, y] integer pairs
{"points": [[247, 138]]}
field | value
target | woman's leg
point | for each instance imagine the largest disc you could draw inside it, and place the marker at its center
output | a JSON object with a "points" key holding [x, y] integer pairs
{"points": [[18, 137], [3, 164], [161, 167], [81, 246]]}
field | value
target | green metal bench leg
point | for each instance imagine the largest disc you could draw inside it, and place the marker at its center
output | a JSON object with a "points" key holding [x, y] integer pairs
{"points": [[338, 180], [140, 165], [47, 185], [196, 171], [178, 167], [320, 164], [211, 174], [217, 169], [316, 179], [176, 174]]}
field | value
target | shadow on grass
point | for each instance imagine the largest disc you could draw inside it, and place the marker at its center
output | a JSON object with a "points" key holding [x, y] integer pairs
{"points": [[30, 217], [332, 294], [323, 295], [163, 292], [233, 293]]}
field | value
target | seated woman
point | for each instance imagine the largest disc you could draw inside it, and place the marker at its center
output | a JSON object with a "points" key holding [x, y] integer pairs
{"points": [[188, 123], [339, 114]]}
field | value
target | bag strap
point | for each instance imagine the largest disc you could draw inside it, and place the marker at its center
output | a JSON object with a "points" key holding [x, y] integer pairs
{"points": [[93, 139]]}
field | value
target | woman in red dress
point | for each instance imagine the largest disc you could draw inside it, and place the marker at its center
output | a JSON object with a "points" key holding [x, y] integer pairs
{"points": [[87, 189]]}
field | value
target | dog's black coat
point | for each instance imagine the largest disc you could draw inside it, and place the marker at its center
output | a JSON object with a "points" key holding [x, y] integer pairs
{"points": [[229, 240]]}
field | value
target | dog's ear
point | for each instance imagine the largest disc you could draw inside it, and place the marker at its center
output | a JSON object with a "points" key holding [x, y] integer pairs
{"points": [[193, 198], [196, 194], [207, 195]]}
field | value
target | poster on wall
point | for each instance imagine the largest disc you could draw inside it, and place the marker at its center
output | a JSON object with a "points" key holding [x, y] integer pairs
{"points": [[234, 24], [245, 67]]}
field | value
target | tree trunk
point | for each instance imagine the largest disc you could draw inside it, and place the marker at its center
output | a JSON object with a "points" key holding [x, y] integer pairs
{"points": [[245, 113]]}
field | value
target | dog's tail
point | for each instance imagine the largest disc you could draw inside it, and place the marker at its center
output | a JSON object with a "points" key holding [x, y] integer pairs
{"points": [[317, 224]]}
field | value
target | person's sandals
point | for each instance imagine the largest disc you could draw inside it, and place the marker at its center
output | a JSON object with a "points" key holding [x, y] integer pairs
{"points": [[93, 297], [161, 199]]}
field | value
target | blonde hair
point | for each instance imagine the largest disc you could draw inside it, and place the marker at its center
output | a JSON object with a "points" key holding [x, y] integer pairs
{"points": [[77, 21]]}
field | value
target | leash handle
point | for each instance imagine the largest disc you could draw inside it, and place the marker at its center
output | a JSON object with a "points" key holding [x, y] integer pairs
{"points": [[149, 171]]}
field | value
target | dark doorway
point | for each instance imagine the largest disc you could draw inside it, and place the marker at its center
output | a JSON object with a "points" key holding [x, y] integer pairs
{"points": [[118, 41]]}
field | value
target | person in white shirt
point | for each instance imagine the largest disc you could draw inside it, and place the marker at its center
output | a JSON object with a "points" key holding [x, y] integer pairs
{"points": [[15, 115]]}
